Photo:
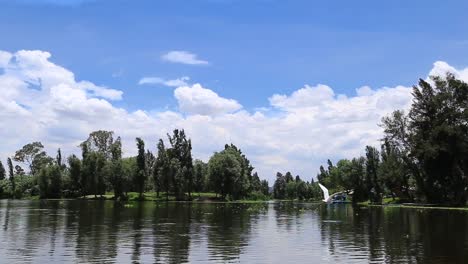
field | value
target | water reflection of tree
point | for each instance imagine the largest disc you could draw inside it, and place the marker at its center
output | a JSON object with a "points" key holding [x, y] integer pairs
{"points": [[171, 227], [288, 214], [91, 222], [395, 234], [346, 231], [229, 228]]}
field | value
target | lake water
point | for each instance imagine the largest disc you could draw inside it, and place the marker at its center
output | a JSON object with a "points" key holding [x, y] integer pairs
{"points": [[107, 232]]}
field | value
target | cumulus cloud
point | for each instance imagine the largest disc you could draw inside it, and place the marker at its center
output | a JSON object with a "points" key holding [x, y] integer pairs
{"points": [[197, 100], [184, 57], [440, 68], [182, 81], [42, 101]]}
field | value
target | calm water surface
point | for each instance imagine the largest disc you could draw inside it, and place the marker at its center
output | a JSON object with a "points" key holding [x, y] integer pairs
{"points": [[106, 232]]}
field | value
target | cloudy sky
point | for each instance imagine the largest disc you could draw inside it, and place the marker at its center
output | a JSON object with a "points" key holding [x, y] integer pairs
{"points": [[290, 82]]}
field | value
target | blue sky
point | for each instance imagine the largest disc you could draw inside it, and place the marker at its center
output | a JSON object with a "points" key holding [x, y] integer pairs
{"points": [[255, 48], [251, 51]]}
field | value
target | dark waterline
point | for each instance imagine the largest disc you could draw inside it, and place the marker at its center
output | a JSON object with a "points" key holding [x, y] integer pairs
{"points": [[106, 232]]}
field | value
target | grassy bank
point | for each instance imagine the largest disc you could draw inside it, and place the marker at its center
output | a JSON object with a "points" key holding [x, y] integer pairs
{"points": [[153, 197]]}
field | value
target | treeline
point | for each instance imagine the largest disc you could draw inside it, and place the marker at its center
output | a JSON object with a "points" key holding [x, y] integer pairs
{"points": [[101, 168], [423, 156], [288, 187]]}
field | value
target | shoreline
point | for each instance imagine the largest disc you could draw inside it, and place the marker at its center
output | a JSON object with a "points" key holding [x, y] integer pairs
{"points": [[415, 206]]}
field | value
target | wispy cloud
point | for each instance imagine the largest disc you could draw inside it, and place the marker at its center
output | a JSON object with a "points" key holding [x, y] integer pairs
{"points": [[182, 81], [184, 57]]}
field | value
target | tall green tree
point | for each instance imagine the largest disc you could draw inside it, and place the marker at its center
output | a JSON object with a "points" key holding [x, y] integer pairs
{"points": [[74, 164], [181, 149], [141, 166], [224, 171], [255, 184], [116, 177], [393, 171], [100, 141], [11, 175], [265, 187], [439, 138], [279, 187], [2, 171], [50, 181], [33, 155], [373, 181], [200, 174], [161, 174]]}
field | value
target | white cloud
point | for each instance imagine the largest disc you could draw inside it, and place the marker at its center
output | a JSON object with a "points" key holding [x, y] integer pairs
{"points": [[182, 81], [184, 57], [40, 100], [197, 100], [440, 68]]}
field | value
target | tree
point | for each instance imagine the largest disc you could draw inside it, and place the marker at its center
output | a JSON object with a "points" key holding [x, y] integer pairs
{"points": [[301, 190], [393, 171], [397, 144], [255, 184], [100, 141], [50, 181], [141, 167], [11, 175], [243, 182], [150, 161], [291, 190], [32, 155], [357, 179], [200, 171], [181, 149], [265, 188], [279, 187], [439, 139], [288, 177], [116, 176], [19, 171], [224, 171], [74, 164], [373, 182], [55, 176], [2, 171], [161, 174]]}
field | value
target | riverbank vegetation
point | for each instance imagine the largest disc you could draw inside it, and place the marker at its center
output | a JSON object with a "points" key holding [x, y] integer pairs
{"points": [[423, 156], [170, 174]]}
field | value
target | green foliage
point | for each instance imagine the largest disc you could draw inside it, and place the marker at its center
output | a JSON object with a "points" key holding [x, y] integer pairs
{"points": [[115, 169], [200, 175], [50, 182], [141, 167], [74, 164], [439, 139], [33, 155], [372, 178], [2, 171], [11, 176], [424, 153], [279, 187], [180, 156], [224, 170], [265, 188], [230, 173], [102, 169], [287, 187]]}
